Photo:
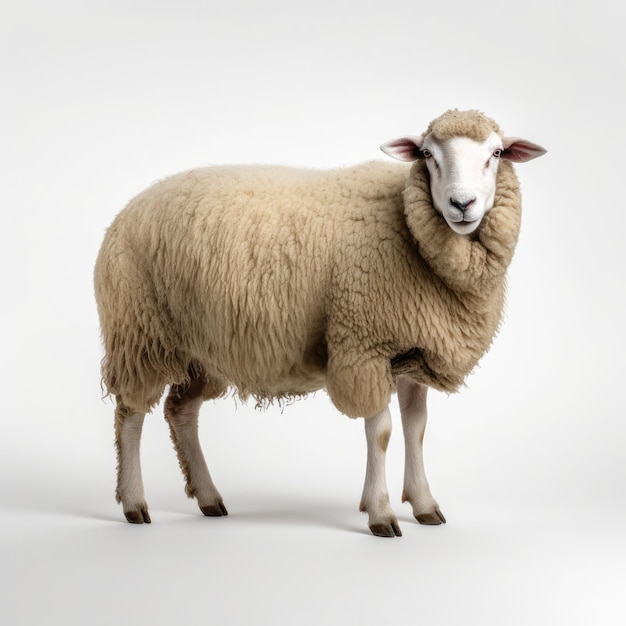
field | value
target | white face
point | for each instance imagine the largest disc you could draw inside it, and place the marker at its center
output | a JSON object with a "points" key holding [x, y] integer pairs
{"points": [[463, 171], [462, 178]]}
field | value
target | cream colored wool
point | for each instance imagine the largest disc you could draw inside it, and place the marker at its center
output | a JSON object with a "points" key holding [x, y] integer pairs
{"points": [[276, 282]]}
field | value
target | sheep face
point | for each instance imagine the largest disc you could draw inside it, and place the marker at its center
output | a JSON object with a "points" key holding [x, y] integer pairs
{"points": [[462, 178], [462, 150], [462, 174]]}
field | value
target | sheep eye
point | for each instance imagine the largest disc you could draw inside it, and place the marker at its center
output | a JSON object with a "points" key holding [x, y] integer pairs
{"points": [[497, 153], [426, 154]]}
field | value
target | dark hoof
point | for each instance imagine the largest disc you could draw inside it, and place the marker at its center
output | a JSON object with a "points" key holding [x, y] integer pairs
{"points": [[138, 517], [386, 530], [214, 510], [431, 519]]}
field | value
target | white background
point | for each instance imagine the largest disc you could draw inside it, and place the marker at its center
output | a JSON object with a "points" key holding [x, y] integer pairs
{"points": [[98, 100]]}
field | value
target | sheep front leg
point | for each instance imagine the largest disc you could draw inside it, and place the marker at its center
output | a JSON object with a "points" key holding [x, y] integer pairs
{"points": [[412, 400], [129, 491], [181, 412], [375, 499], [358, 385]]}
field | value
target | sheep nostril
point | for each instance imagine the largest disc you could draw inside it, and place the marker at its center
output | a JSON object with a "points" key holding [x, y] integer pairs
{"points": [[462, 206]]}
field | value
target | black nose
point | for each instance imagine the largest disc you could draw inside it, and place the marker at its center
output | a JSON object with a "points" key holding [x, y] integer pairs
{"points": [[462, 206]]}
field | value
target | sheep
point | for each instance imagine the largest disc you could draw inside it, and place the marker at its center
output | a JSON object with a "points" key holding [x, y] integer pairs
{"points": [[274, 282]]}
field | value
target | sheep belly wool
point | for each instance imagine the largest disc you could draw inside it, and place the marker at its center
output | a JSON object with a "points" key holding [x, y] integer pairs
{"points": [[275, 282]]}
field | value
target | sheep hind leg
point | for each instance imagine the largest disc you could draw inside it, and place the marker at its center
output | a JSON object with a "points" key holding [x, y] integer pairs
{"points": [[412, 400], [129, 491], [375, 499], [181, 412]]}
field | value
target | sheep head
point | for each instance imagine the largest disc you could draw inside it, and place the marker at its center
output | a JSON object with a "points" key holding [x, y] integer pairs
{"points": [[462, 150]]}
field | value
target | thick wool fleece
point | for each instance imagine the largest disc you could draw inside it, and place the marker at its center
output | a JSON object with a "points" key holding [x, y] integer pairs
{"points": [[455, 123], [276, 282]]}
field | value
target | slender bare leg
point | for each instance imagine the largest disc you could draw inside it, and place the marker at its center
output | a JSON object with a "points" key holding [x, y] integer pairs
{"points": [[375, 499], [412, 399], [181, 412], [129, 490]]}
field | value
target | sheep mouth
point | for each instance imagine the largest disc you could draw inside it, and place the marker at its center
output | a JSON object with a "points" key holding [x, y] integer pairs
{"points": [[470, 222], [465, 227], [464, 220]]}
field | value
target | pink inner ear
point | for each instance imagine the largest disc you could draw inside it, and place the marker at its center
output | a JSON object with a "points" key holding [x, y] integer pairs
{"points": [[404, 148], [521, 150]]}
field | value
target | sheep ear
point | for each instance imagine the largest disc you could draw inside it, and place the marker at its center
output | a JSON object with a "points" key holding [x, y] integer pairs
{"points": [[404, 148], [520, 150]]}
